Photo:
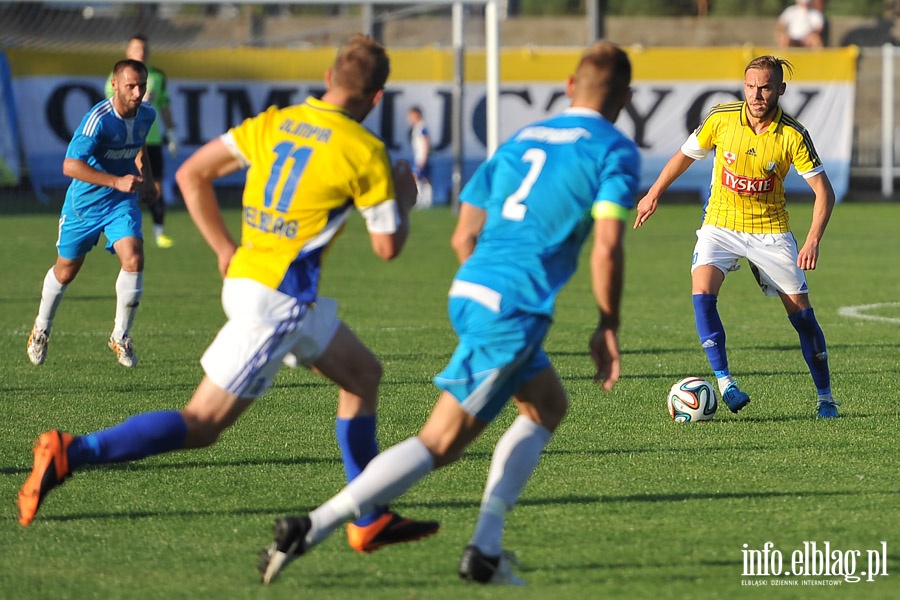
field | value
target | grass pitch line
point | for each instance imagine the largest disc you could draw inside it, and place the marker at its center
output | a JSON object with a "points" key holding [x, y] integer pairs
{"points": [[859, 312]]}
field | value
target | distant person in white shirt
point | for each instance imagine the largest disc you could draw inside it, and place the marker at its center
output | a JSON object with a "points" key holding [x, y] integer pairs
{"points": [[800, 25], [420, 142]]}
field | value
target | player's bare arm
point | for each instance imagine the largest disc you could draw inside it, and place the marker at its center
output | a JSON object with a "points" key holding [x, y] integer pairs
{"points": [[388, 246], [468, 227], [677, 165], [149, 191], [607, 278], [808, 256], [78, 169], [195, 178]]}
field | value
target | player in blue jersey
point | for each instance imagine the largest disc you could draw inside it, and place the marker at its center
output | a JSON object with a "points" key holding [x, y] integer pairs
{"points": [[106, 160], [523, 219], [138, 48]]}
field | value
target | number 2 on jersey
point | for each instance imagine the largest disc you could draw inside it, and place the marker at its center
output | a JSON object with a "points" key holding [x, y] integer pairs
{"points": [[284, 151], [513, 209]]}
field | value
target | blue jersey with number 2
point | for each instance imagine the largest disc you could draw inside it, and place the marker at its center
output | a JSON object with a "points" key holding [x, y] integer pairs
{"points": [[540, 190]]}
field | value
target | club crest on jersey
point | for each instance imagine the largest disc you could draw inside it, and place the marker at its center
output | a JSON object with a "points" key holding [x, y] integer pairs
{"points": [[770, 167], [747, 186], [730, 157]]}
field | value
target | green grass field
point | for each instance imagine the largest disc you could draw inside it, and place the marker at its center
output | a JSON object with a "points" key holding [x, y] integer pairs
{"points": [[625, 504]]}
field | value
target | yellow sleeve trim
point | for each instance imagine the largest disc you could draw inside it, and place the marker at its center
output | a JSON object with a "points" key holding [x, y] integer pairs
{"points": [[605, 209]]}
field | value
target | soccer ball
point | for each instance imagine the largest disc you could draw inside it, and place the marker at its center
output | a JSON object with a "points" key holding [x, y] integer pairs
{"points": [[692, 399]]}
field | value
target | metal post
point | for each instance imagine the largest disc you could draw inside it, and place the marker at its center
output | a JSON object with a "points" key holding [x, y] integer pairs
{"points": [[596, 15], [456, 110], [887, 120], [368, 19], [492, 85]]}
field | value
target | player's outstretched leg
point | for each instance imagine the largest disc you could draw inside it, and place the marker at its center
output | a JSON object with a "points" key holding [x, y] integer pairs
{"points": [[50, 470], [58, 454]]}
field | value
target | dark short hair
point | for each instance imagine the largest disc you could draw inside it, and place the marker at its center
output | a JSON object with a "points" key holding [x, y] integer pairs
{"points": [[361, 67], [604, 66], [128, 63]]}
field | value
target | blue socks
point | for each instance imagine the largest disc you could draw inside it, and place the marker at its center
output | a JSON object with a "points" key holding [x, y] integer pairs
{"points": [[137, 437], [812, 344], [712, 338], [711, 332], [356, 439], [154, 433]]}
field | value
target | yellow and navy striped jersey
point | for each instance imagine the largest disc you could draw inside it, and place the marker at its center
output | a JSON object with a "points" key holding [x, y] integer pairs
{"points": [[308, 166], [747, 188]]}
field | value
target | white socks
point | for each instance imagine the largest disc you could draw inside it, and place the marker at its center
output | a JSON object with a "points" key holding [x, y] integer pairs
{"points": [[129, 288], [724, 382], [395, 470], [51, 296], [515, 457], [386, 477]]}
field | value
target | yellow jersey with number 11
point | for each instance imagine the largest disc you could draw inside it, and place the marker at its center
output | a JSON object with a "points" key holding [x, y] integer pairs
{"points": [[308, 166]]}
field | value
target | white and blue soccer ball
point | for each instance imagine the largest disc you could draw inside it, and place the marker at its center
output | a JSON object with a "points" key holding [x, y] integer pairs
{"points": [[692, 399]]}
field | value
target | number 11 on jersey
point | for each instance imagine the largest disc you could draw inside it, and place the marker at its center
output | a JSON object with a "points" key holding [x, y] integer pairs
{"points": [[300, 156]]}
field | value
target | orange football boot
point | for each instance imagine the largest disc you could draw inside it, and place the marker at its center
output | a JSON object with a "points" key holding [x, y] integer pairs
{"points": [[51, 469], [389, 528]]}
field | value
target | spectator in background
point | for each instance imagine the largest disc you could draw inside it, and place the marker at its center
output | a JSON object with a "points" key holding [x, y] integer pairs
{"points": [[800, 25], [157, 96], [819, 5], [420, 142]]}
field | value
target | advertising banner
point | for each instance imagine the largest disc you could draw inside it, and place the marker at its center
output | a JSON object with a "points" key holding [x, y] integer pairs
{"points": [[212, 90], [10, 163]]}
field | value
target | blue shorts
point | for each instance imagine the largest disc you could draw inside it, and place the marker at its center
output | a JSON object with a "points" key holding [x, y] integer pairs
{"points": [[496, 354], [79, 230]]}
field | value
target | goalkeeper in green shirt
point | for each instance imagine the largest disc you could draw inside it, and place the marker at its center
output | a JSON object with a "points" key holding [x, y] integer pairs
{"points": [[158, 97]]}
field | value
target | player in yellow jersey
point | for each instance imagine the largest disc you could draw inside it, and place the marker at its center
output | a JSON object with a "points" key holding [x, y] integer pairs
{"points": [[308, 167], [755, 144]]}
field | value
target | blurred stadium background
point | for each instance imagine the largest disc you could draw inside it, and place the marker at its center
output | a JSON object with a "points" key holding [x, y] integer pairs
{"points": [[85, 38]]}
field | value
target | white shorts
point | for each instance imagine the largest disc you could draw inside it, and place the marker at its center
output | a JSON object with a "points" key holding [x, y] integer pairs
{"points": [[772, 257], [263, 326]]}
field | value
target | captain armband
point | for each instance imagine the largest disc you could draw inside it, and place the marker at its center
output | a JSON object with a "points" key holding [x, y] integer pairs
{"points": [[604, 209]]}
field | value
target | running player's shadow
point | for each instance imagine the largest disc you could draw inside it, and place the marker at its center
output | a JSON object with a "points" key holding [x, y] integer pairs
{"points": [[162, 466]]}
